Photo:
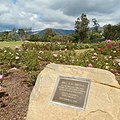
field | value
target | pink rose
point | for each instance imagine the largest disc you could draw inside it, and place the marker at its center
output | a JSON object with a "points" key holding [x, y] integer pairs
{"points": [[0, 88], [117, 60], [1, 77], [90, 65], [16, 47]]}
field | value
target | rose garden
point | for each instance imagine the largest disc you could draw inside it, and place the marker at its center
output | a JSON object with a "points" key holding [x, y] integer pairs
{"points": [[33, 57]]}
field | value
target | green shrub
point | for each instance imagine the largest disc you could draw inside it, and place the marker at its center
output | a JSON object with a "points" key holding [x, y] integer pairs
{"points": [[32, 77]]}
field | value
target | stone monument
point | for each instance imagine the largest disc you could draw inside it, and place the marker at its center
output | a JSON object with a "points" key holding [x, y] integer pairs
{"points": [[65, 92]]}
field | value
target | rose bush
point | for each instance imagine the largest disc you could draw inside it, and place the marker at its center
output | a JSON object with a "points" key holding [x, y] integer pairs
{"points": [[32, 58]]}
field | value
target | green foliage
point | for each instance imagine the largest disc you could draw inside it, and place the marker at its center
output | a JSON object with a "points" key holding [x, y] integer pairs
{"points": [[96, 37], [112, 32], [96, 25], [53, 46], [7, 56], [48, 33], [21, 33], [15, 35], [35, 38], [32, 77], [3, 71], [12, 36], [33, 57], [4, 36], [30, 60], [81, 28]]}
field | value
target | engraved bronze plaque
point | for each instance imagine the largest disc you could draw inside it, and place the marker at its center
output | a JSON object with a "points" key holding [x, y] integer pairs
{"points": [[71, 92]]}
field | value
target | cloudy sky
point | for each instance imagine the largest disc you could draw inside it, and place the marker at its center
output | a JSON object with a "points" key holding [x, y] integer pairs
{"points": [[41, 14]]}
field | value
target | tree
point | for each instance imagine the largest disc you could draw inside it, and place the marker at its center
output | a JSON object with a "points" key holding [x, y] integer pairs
{"points": [[117, 30], [34, 38], [95, 37], [48, 33], [21, 33], [13, 36], [81, 28], [4, 36], [95, 24], [28, 32], [109, 31]]}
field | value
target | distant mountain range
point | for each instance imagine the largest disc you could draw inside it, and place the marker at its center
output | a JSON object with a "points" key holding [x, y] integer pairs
{"points": [[58, 31], [41, 32]]}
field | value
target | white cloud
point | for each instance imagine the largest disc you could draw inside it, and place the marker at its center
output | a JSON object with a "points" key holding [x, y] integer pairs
{"points": [[40, 14]]}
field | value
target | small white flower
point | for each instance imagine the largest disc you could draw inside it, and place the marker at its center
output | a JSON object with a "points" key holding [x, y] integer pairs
{"points": [[106, 58], [107, 67], [95, 54], [17, 53], [55, 55], [17, 57], [114, 51], [119, 64], [96, 59], [40, 51], [5, 51], [93, 57], [10, 53], [110, 56], [111, 69], [106, 63], [39, 57]]}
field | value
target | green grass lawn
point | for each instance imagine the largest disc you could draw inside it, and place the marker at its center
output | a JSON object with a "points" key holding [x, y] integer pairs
{"points": [[11, 44]]}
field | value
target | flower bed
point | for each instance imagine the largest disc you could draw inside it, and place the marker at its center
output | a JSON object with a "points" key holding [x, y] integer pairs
{"points": [[106, 55], [53, 46]]}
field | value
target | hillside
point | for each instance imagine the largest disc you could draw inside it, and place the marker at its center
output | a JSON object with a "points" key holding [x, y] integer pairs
{"points": [[58, 31]]}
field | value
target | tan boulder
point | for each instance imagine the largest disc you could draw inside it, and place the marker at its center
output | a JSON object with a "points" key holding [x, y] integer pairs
{"points": [[103, 100]]}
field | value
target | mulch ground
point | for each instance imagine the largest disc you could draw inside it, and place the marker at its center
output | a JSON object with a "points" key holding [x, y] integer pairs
{"points": [[14, 99]]}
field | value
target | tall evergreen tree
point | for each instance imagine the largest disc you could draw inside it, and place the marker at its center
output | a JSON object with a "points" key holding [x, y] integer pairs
{"points": [[81, 28]]}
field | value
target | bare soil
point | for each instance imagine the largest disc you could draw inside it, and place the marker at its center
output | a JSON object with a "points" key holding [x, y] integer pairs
{"points": [[14, 98]]}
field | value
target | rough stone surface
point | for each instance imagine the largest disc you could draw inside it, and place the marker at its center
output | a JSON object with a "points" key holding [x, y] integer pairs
{"points": [[103, 100]]}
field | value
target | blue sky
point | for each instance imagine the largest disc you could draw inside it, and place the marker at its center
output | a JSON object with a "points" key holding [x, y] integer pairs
{"points": [[14, 1], [41, 14]]}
